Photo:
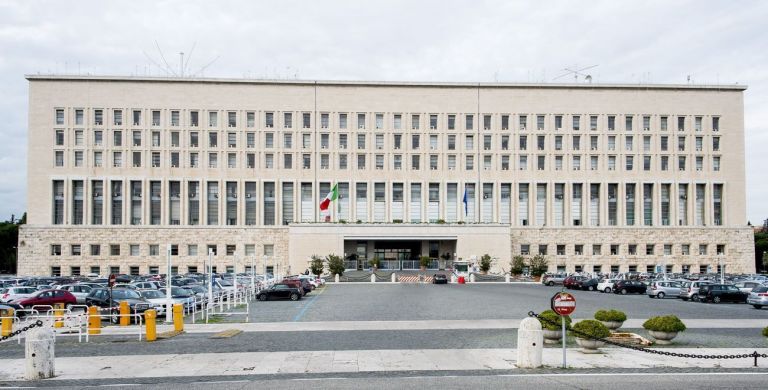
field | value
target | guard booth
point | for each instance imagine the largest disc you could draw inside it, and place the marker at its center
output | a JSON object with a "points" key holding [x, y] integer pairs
{"points": [[461, 268]]}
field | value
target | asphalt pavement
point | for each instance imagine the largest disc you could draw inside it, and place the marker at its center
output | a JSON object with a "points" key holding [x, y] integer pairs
{"points": [[403, 301]]}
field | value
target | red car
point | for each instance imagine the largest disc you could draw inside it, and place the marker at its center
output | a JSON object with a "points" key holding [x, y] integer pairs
{"points": [[47, 298]]}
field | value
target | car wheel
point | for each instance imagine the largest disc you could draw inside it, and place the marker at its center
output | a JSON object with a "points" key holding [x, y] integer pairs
{"points": [[623, 291], [694, 298], [263, 297], [294, 297], [758, 306], [660, 295], [550, 284], [716, 299], [607, 289], [591, 288]]}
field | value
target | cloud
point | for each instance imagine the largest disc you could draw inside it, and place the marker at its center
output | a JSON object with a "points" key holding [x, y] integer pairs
{"points": [[528, 41]]}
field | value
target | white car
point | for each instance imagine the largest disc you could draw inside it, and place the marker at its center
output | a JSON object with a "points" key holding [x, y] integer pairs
{"points": [[17, 292], [80, 291], [606, 285], [748, 285], [156, 297], [147, 285], [312, 280]]}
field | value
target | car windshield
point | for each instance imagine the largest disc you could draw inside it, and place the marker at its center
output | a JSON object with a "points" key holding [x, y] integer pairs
{"points": [[125, 294], [225, 283], [760, 289], [178, 291], [151, 294]]}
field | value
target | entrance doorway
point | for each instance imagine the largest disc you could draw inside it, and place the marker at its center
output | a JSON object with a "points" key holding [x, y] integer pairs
{"points": [[396, 255]]}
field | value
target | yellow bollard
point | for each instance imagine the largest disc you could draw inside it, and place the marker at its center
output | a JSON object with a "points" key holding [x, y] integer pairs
{"points": [[7, 325], [124, 311], [58, 312], [150, 317], [178, 317], [94, 320]]}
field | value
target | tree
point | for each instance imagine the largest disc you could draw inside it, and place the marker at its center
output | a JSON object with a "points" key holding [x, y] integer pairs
{"points": [[316, 265], [538, 265], [485, 263], [335, 264], [761, 247], [9, 240], [517, 265]]}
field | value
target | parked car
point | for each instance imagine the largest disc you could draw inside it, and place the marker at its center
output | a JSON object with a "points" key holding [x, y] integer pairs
{"points": [[147, 285], [690, 289], [758, 297], [589, 284], [184, 296], [45, 298], [303, 284], [717, 293], [624, 287], [748, 285], [439, 279], [661, 289], [156, 297], [101, 297], [606, 285], [16, 292], [551, 280], [279, 291], [80, 291], [572, 281]]}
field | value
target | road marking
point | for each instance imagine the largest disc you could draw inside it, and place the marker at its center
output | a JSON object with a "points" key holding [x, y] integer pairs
{"points": [[304, 309], [227, 334]]}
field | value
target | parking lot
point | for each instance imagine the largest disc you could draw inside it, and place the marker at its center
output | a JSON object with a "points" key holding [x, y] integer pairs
{"points": [[401, 302]]}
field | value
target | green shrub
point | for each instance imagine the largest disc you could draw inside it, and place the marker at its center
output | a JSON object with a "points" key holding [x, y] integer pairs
{"points": [[538, 265], [765, 331], [593, 328], [316, 266], [669, 323], [485, 263], [610, 315], [517, 265], [552, 317], [375, 262], [424, 261], [335, 264]]}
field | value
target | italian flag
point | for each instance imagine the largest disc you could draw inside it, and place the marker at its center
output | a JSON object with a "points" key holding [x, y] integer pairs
{"points": [[333, 195]]}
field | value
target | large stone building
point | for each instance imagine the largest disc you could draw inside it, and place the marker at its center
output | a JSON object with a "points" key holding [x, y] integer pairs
{"points": [[596, 177]]}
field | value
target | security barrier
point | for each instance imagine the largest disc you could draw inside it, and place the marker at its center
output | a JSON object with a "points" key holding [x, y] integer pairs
{"points": [[150, 318]]}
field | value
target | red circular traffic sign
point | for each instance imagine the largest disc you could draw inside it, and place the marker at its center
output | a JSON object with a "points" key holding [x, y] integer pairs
{"points": [[563, 303]]}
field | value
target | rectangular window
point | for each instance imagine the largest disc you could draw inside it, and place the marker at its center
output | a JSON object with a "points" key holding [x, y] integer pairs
{"points": [[117, 202], [306, 120], [193, 202], [361, 121], [470, 122], [523, 122], [486, 122], [58, 158], [593, 122], [433, 121], [269, 119], [648, 204], [251, 205], [715, 123], [451, 122], [324, 121], [415, 119], [97, 205], [630, 205], [361, 201], [342, 121], [576, 122], [287, 204], [269, 203]]}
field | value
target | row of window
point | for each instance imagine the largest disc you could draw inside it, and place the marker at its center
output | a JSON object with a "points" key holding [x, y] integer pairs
{"points": [[394, 121], [157, 202], [559, 142], [618, 249], [381, 161], [650, 268], [136, 270], [154, 250]]}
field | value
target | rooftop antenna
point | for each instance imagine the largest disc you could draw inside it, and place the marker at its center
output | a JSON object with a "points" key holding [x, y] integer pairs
{"points": [[181, 63], [576, 73]]}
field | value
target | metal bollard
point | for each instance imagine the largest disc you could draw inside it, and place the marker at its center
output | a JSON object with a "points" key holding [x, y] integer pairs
{"points": [[453, 278], [94, 320], [506, 278], [7, 322], [178, 317], [40, 354], [471, 278], [58, 312], [150, 318], [125, 310], [336, 278], [530, 343], [394, 277], [373, 278]]}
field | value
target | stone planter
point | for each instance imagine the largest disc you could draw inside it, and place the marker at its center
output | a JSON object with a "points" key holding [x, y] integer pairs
{"points": [[423, 268], [589, 345], [612, 325], [552, 336], [663, 338]]}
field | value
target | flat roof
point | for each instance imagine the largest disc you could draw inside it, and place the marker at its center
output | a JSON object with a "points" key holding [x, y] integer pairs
{"points": [[436, 84]]}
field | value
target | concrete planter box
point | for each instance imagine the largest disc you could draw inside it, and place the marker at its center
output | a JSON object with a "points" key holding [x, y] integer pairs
{"points": [[552, 336], [589, 345], [612, 325], [663, 338]]}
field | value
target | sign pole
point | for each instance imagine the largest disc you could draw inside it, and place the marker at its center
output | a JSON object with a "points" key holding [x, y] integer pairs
{"points": [[168, 301], [562, 318]]}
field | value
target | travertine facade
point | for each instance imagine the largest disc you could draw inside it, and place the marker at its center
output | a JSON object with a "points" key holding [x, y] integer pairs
{"points": [[597, 177]]}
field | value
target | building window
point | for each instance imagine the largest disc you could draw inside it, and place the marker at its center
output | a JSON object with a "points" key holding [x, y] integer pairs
{"points": [[703, 249], [649, 249], [114, 249], [231, 249], [95, 250], [632, 249], [525, 249], [597, 249], [269, 249], [578, 249], [192, 250], [133, 250]]}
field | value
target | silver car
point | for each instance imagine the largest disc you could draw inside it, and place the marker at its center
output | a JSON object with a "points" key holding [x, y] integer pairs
{"points": [[690, 290], [80, 291], [662, 289], [748, 285], [758, 297]]}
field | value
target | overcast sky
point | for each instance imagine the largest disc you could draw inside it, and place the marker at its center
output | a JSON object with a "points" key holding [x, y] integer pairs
{"points": [[652, 41]]}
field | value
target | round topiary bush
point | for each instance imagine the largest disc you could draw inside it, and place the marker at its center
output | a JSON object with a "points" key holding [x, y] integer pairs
{"points": [[549, 317], [592, 328], [765, 331], [610, 315], [669, 324]]}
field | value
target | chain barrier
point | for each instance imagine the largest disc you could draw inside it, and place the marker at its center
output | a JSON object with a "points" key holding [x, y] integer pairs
{"points": [[754, 354], [35, 324]]}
